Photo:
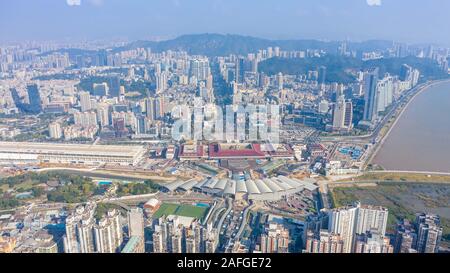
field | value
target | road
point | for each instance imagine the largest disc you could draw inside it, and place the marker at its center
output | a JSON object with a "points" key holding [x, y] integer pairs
{"points": [[224, 216], [244, 221]]}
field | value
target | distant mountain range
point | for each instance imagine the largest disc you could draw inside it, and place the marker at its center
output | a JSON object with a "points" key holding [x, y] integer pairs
{"points": [[221, 45]]}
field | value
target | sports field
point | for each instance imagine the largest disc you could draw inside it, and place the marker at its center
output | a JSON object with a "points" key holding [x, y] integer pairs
{"points": [[181, 210]]}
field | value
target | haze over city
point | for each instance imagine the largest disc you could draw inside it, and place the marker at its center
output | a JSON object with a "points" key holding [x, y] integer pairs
{"points": [[413, 21]]}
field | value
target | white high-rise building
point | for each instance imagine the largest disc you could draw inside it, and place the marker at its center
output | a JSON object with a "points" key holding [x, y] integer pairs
{"points": [[103, 112], [85, 119], [280, 81], [342, 221], [339, 114], [85, 101], [104, 238], [70, 238], [385, 91], [86, 235], [371, 219], [55, 130], [199, 68], [351, 221], [113, 217], [136, 223]]}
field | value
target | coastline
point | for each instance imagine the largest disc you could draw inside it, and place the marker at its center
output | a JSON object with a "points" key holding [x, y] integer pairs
{"points": [[383, 139]]}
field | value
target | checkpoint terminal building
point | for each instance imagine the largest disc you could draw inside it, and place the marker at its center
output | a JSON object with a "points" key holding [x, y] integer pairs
{"points": [[267, 189]]}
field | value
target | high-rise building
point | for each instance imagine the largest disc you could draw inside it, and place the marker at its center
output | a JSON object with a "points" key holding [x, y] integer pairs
{"points": [[71, 244], [325, 242], [322, 74], [113, 217], [429, 233], [114, 86], [136, 222], [177, 234], [85, 119], [85, 101], [343, 221], [150, 108], [350, 221], [276, 51], [86, 235], [371, 219], [342, 114], [275, 239], [339, 114], [239, 70], [405, 73], [405, 237], [104, 237], [199, 68], [55, 130], [280, 81], [34, 98], [161, 82], [373, 243], [104, 114], [370, 96], [141, 125], [385, 93]]}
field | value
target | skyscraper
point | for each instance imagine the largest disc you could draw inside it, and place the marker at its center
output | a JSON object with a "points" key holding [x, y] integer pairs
{"points": [[405, 237], [150, 108], [429, 233], [239, 70], [70, 238], [136, 223], [342, 114], [86, 235], [339, 114], [322, 74], [405, 73], [104, 114], [280, 81], [34, 98], [275, 239], [199, 68], [371, 219], [370, 97], [104, 238], [342, 221], [385, 93], [114, 86], [85, 101]]}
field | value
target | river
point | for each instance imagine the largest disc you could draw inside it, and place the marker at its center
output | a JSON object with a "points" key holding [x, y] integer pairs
{"points": [[420, 141]]}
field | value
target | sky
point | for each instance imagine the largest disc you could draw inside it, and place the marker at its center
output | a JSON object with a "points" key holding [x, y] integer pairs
{"points": [[412, 21]]}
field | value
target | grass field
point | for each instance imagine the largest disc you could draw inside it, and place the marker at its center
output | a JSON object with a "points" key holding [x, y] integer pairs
{"points": [[402, 199], [181, 210], [412, 177]]}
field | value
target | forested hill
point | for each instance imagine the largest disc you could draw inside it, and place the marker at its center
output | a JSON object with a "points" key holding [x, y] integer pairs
{"points": [[337, 66], [222, 45]]}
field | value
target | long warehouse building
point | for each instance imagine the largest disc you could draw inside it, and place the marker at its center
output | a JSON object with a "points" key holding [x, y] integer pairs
{"points": [[267, 189], [53, 153]]}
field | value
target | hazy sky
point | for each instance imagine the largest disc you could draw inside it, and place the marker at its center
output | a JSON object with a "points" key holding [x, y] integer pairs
{"points": [[403, 20]]}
